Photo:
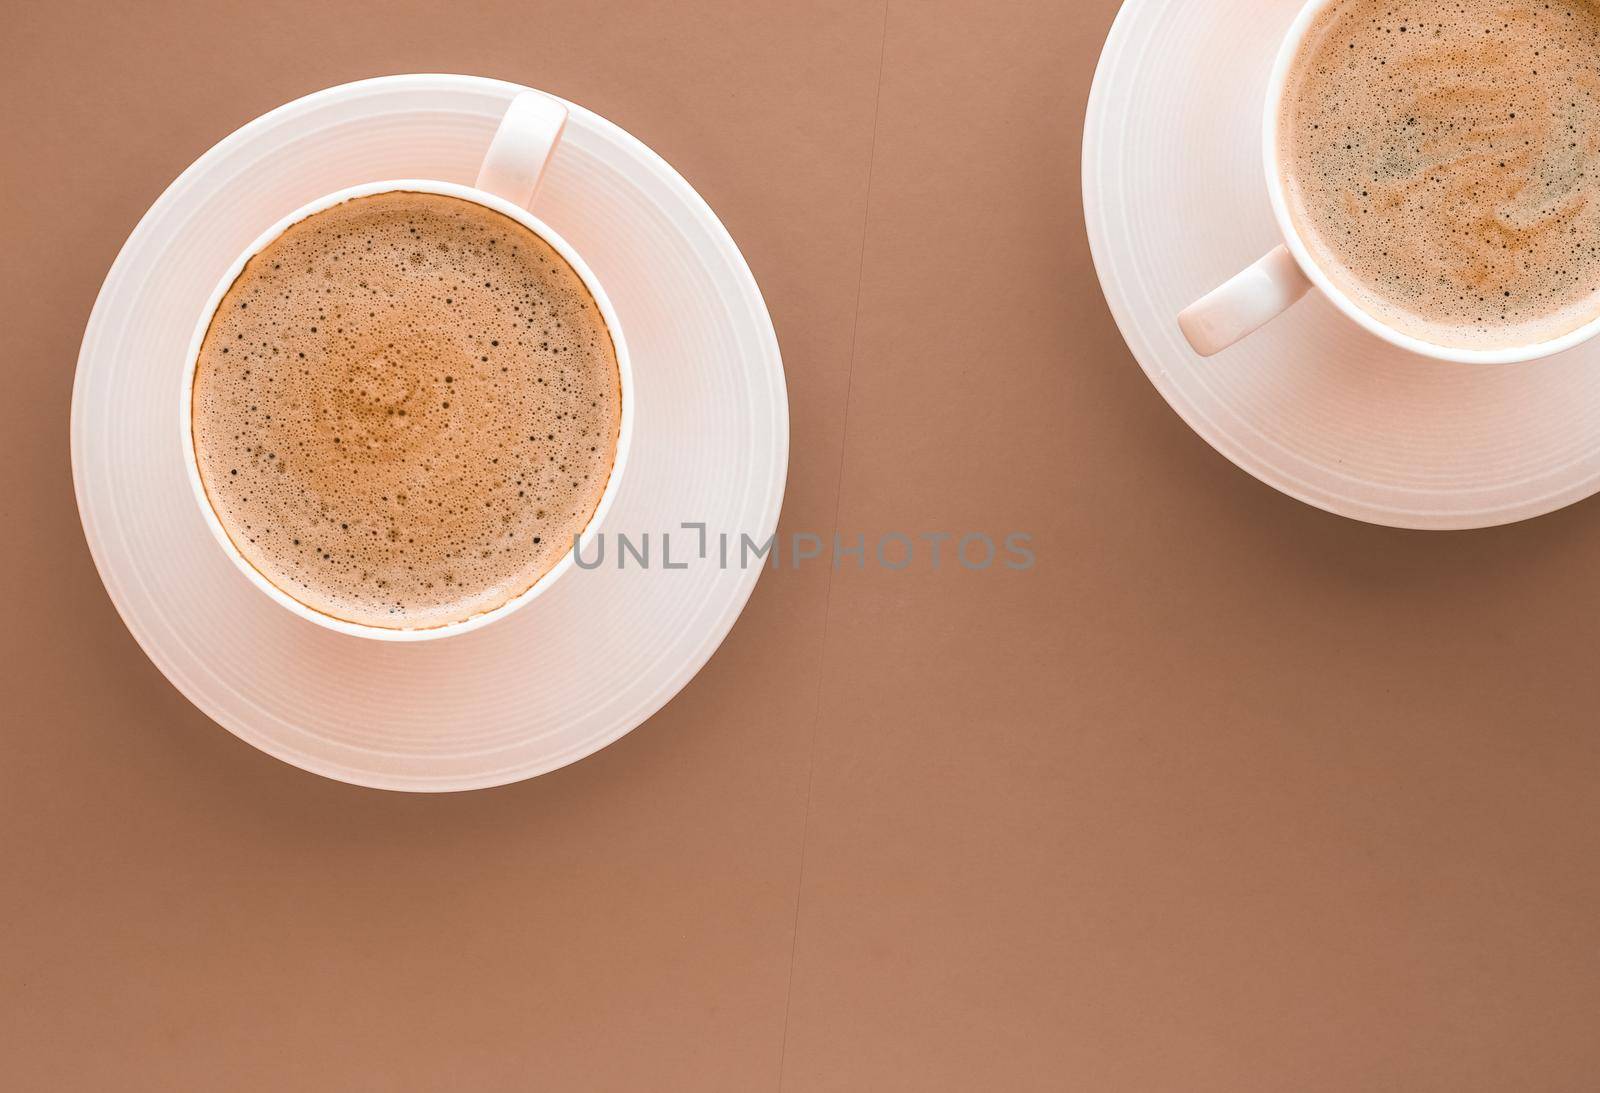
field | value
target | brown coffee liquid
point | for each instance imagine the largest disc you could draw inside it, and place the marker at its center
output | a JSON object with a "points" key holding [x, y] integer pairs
{"points": [[404, 409], [1442, 161]]}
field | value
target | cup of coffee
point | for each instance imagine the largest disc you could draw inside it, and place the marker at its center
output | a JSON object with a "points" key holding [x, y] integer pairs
{"points": [[407, 403], [1434, 168]]}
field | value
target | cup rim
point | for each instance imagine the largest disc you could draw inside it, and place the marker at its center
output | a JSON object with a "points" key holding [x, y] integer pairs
{"points": [[1277, 85], [624, 429]]}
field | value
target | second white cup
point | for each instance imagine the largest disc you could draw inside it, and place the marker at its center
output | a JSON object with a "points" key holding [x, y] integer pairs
{"points": [[1277, 281]]}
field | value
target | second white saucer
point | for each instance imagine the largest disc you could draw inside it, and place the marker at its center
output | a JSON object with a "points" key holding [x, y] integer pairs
{"points": [[1311, 404]]}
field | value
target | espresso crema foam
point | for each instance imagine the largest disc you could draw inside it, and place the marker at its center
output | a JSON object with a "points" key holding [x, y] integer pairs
{"points": [[404, 408], [1442, 161]]}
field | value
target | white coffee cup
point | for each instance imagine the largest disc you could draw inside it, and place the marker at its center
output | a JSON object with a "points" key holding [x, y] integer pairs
{"points": [[507, 182], [1267, 289]]}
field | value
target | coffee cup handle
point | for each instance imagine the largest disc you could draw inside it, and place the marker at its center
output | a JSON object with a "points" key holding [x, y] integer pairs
{"points": [[521, 147], [1243, 305]]}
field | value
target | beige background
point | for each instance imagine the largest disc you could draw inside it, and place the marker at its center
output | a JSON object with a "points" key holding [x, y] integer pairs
{"points": [[1227, 794]]}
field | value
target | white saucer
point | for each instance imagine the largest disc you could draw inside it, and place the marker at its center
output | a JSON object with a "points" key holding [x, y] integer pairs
{"points": [[592, 658], [1312, 405]]}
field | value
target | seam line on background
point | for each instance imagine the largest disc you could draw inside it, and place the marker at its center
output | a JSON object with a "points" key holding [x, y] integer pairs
{"points": [[827, 602]]}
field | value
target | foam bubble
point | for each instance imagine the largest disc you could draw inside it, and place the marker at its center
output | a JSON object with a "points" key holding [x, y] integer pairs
{"points": [[1442, 157], [404, 408]]}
